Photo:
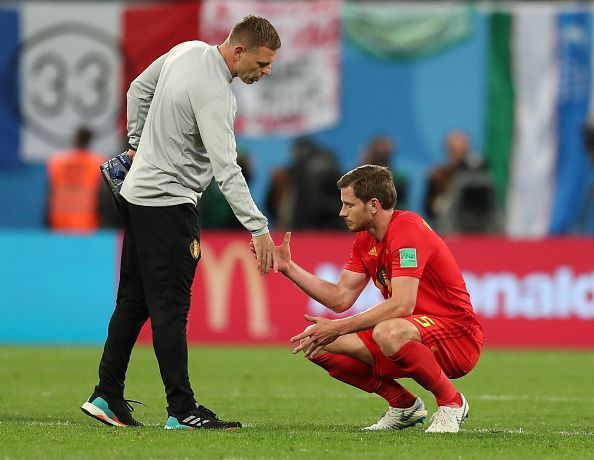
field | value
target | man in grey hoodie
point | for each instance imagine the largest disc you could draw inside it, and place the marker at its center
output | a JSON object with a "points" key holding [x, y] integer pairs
{"points": [[180, 132]]}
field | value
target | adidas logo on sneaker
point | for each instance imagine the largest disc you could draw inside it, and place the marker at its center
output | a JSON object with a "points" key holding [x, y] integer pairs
{"points": [[200, 418], [195, 421]]}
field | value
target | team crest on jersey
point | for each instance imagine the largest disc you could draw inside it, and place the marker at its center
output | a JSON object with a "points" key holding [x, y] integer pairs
{"points": [[382, 277], [382, 282], [195, 249]]}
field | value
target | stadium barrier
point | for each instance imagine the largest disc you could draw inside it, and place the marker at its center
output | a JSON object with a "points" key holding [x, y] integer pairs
{"points": [[61, 289], [527, 293]]}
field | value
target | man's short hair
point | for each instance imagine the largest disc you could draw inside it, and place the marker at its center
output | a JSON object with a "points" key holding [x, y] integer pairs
{"points": [[371, 181], [253, 32]]}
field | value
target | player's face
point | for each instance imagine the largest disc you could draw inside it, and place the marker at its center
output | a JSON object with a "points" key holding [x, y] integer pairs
{"points": [[253, 64], [356, 214]]}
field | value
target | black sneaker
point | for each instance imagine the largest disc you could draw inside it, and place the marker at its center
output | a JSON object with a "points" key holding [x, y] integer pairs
{"points": [[113, 412], [201, 417]]}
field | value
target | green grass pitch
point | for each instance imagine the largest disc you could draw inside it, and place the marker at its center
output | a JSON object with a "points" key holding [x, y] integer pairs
{"points": [[523, 404]]}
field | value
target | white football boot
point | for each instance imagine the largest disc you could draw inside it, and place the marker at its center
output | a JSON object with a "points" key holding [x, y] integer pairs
{"points": [[449, 419], [397, 419]]}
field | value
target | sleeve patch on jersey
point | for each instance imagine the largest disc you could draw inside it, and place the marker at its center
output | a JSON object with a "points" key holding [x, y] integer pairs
{"points": [[408, 258]]}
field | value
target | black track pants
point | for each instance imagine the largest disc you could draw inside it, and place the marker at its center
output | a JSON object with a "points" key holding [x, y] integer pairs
{"points": [[156, 274]]}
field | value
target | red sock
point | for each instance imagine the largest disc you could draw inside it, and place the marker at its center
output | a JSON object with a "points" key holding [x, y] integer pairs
{"points": [[419, 363], [360, 375]]}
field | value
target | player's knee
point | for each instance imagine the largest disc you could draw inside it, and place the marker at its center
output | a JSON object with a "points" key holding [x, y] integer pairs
{"points": [[321, 359], [389, 337]]}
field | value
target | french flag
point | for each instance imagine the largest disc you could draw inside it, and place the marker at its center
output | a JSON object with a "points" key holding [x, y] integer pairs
{"points": [[66, 64]]}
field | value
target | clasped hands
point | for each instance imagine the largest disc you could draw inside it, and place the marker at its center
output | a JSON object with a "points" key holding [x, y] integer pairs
{"points": [[312, 340]]}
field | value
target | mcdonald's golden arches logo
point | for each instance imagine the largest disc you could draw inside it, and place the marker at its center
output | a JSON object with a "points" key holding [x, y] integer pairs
{"points": [[220, 280]]}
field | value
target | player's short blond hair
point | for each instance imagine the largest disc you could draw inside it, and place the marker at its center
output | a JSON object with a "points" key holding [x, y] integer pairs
{"points": [[253, 32], [371, 181]]}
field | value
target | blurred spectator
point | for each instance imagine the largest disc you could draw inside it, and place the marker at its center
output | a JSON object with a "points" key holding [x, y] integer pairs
{"points": [[588, 136], [586, 220], [77, 199], [301, 196], [381, 151], [460, 194], [214, 210], [279, 200]]}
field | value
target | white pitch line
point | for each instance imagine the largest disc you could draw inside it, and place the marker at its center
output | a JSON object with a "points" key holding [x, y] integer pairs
{"points": [[563, 399], [497, 431], [522, 431], [40, 423]]}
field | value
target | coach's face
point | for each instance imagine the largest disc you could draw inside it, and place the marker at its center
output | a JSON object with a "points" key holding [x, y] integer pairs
{"points": [[356, 214], [251, 65]]}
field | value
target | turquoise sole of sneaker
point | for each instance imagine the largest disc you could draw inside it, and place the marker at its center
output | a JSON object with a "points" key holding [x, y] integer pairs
{"points": [[173, 424]]}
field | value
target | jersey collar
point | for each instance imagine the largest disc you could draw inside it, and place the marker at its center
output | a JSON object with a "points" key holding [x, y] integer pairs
{"points": [[221, 63]]}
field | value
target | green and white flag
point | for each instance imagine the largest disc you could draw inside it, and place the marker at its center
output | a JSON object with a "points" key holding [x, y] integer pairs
{"points": [[538, 63]]}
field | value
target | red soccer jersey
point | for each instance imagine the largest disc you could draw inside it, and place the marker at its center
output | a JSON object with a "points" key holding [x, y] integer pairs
{"points": [[411, 248]]}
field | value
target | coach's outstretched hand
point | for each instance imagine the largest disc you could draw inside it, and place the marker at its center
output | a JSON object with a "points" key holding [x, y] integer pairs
{"points": [[263, 248]]}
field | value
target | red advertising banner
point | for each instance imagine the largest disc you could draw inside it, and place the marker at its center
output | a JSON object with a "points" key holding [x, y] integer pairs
{"points": [[526, 293], [536, 293]]}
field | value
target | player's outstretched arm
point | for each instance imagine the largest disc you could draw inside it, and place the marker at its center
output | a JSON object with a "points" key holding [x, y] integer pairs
{"points": [[337, 297]]}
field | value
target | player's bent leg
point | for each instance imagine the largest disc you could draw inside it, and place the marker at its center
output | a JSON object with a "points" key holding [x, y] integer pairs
{"points": [[393, 334], [350, 360], [351, 345], [348, 370], [415, 360], [456, 348], [404, 409]]}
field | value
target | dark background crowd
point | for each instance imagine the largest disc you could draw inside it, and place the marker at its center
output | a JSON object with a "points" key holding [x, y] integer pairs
{"points": [[459, 193]]}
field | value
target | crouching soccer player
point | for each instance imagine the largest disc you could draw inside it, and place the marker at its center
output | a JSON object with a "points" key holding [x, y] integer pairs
{"points": [[425, 329]]}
